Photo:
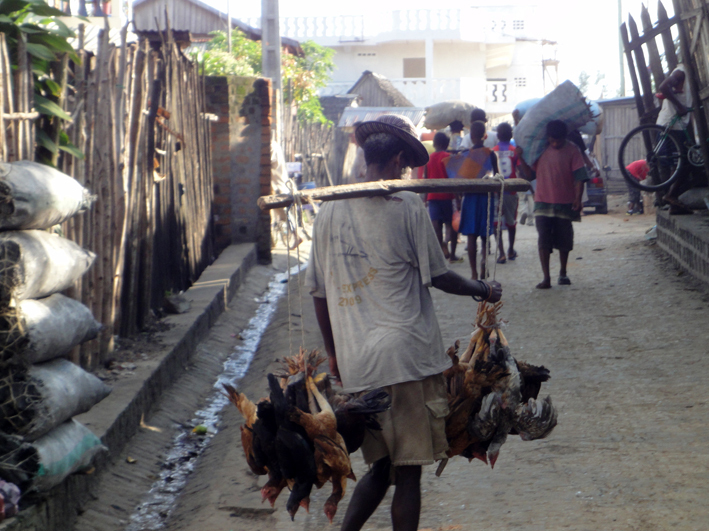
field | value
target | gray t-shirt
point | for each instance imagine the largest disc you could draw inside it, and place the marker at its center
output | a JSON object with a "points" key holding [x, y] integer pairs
{"points": [[373, 260]]}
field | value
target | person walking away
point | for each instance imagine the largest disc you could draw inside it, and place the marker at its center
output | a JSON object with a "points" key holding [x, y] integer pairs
{"points": [[560, 173], [507, 164], [456, 128], [476, 219], [440, 205], [489, 141], [639, 170], [676, 98], [371, 265]]}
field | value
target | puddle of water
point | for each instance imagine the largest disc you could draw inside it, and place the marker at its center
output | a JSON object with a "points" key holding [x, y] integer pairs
{"points": [[152, 513]]}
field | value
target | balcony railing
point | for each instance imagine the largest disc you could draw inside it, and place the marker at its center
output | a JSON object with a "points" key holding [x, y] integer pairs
{"points": [[354, 28]]}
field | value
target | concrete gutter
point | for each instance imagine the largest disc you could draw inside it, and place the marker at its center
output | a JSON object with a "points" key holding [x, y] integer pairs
{"points": [[117, 418]]}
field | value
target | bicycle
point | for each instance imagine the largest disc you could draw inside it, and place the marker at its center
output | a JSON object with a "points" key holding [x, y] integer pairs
{"points": [[289, 223], [665, 156]]}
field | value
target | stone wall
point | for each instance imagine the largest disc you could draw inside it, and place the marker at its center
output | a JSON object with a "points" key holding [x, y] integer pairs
{"points": [[686, 240], [241, 155]]}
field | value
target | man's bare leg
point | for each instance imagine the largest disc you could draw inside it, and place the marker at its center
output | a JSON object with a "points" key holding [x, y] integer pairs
{"points": [[544, 255], [406, 505], [367, 496], [563, 260], [473, 255]]}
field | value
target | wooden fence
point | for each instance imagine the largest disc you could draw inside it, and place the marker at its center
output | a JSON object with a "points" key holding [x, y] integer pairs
{"points": [[648, 66], [314, 143], [137, 117]]}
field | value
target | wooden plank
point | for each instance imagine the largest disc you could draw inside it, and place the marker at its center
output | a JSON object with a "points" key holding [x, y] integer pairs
{"points": [[638, 40], [380, 188], [653, 54], [667, 40], [641, 66], [631, 69]]}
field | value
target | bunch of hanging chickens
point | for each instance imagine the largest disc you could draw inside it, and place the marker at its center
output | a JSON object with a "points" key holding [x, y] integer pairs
{"points": [[302, 435], [491, 395]]}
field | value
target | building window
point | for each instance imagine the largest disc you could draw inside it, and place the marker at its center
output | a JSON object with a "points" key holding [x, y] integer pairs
{"points": [[520, 82], [415, 67], [368, 54], [497, 90], [518, 25]]}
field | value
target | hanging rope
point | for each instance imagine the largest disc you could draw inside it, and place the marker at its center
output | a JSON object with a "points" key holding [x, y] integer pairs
{"points": [[298, 208], [498, 232]]}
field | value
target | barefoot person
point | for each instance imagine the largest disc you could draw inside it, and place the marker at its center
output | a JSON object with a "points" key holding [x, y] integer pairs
{"points": [[371, 265], [560, 173], [440, 204]]}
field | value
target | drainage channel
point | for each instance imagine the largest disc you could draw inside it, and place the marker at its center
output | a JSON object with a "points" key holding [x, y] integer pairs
{"points": [[152, 514]]}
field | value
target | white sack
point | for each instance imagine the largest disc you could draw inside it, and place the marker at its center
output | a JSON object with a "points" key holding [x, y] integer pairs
{"points": [[35, 196], [54, 326], [565, 103], [439, 115], [35, 264]]}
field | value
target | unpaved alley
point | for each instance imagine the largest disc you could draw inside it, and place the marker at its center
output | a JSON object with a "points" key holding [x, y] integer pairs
{"points": [[627, 346]]}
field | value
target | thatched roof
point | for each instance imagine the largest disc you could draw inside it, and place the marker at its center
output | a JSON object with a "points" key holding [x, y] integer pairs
{"points": [[377, 91]]}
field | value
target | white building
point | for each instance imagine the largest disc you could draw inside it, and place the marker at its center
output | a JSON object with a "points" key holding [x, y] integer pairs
{"points": [[492, 56]]}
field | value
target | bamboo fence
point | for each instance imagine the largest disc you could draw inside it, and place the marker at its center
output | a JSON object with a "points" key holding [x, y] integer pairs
{"points": [[137, 116]]}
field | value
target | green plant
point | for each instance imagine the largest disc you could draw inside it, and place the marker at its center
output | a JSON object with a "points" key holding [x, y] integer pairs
{"points": [[302, 76], [45, 36]]}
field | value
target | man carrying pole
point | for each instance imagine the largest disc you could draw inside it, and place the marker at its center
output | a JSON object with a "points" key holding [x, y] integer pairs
{"points": [[371, 264]]}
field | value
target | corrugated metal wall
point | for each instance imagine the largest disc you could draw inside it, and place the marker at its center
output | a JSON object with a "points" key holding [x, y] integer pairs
{"points": [[183, 15], [619, 117]]}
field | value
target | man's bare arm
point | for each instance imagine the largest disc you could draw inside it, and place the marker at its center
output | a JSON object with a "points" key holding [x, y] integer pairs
{"points": [[452, 282], [323, 316]]}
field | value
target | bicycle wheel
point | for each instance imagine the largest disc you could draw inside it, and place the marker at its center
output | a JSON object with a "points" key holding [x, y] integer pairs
{"points": [[663, 154]]}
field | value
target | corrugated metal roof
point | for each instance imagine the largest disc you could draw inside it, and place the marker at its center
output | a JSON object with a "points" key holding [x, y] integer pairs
{"points": [[354, 115]]}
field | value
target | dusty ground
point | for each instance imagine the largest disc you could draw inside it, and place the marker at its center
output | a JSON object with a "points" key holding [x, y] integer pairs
{"points": [[627, 348]]}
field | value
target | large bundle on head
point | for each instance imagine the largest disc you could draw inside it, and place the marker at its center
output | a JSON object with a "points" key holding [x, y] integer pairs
{"points": [[303, 434], [35, 196], [439, 115], [565, 103], [491, 395]]}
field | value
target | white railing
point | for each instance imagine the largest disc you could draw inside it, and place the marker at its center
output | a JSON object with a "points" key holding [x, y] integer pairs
{"points": [[349, 27]]}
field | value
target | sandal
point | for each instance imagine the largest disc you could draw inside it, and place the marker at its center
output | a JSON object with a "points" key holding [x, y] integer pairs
{"points": [[456, 260], [512, 255], [502, 260], [564, 281]]}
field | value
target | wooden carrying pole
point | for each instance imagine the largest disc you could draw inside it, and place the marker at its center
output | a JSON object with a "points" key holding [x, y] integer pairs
{"points": [[377, 188]]}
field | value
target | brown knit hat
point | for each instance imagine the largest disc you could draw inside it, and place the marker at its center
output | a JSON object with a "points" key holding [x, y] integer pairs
{"points": [[399, 126]]}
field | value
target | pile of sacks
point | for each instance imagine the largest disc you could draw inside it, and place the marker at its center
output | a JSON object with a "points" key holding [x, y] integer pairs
{"points": [[40, 391]]}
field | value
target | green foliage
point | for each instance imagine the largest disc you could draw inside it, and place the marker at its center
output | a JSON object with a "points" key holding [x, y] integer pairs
{"points": [[46, 43], [302, 76]]}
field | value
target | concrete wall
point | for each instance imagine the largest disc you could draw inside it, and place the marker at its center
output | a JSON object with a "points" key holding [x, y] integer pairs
{"points": [[686, 242], [241, 155]]}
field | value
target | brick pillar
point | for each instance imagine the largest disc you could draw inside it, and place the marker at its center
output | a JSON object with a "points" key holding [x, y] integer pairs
{"points": [[263, 228]]}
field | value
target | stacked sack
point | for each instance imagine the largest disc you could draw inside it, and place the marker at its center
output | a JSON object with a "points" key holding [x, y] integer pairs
{"points": [[40, 391]]}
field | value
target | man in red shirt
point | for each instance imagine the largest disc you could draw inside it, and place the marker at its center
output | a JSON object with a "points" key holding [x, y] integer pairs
{"points": [[560, 173], [440, 205], [638, 169]]}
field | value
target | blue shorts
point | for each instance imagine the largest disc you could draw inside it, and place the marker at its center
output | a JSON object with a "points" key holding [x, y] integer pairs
{"points": [[441, 210]]}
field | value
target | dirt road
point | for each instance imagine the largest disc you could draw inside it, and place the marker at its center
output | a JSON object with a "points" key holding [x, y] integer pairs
{"points": [[626, 344]]}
